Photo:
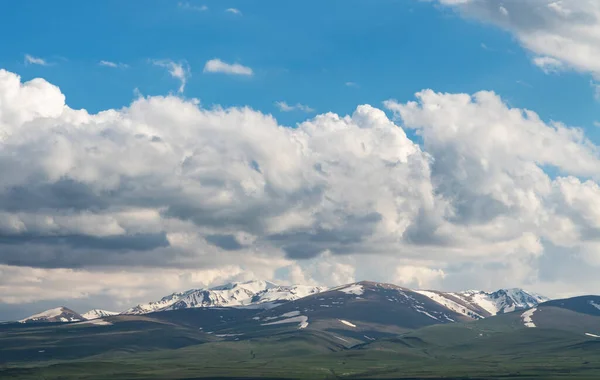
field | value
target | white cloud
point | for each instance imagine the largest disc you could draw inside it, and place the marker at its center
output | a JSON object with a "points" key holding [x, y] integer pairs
{"points": [[284, 107], [352, 84], [178, 70], [114, 65], [567, 32], [418, 277], [31, 60], [167, 186], [218, 66], [234, 11], [191, 7], [596, 88], [548, 65]]}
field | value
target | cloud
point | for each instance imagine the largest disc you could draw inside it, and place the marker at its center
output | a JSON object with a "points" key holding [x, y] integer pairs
{"points": [[191, 7], [234, 11], [284, 107], [351, 84], [418, 277], [548, 65], [596, 88], [218, 66], [178, 70], [165, 188], [31, 60], [558, 32], [114, 65]]}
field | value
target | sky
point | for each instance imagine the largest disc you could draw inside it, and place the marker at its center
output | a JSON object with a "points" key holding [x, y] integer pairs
{"points": [[148, 147]]}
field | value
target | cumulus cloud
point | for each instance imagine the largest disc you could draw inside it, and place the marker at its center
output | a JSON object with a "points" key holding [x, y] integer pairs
{"points": [[31, 60], [284, 107], [218, 66], [178, 70], [167, 185], [559, 33], [418, 277]]}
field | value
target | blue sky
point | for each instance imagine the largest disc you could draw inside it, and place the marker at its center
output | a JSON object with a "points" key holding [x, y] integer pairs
{"points": [[431, 189], [301, 52]]}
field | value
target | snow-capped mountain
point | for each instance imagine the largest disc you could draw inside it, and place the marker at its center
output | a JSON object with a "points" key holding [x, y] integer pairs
{"points": [[479, 304], [98, 313], [251, 294], [59, 314], [357, 313], [264, 295]]}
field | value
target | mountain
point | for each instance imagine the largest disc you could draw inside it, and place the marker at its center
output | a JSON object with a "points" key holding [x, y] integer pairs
{"points": [[434, 306], [479, 304], [60, 314], [353, 314], [359, 330], [579, 315], [97, 313], [251, 294]]}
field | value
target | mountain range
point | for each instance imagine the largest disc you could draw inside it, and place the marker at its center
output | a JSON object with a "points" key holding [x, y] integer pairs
{"points": [[264, 295], [258, 329]]}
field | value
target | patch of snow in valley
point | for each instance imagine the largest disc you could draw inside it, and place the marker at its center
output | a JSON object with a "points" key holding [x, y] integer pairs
{"points": [[342, 339], [97, 322], [347, 323], [527, 320], [294, 313], [368, 337], [301, 320], [594, 304], [592, 335]]}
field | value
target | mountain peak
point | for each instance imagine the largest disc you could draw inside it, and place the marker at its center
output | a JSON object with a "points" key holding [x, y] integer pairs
{"points": [[59, 314], [248, 294], [97, 313]]}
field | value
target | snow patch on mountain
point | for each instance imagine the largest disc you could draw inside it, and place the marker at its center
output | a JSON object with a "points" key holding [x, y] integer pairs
{"points": [[96, 322], [594, 304], [451, 302], [592, 335], [527, 317], [347, 323], [97, 313], [420, 309], [302, 321], [356, 289]]}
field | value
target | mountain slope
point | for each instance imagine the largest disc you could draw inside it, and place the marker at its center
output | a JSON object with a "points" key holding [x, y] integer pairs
{"points": [[59, 314], [257, 294]]}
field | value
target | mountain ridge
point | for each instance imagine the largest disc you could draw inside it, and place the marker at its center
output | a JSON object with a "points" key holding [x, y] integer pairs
{"points": [[264, 295]]}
